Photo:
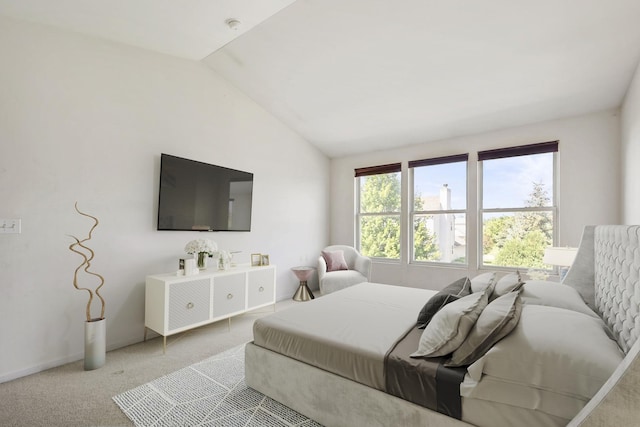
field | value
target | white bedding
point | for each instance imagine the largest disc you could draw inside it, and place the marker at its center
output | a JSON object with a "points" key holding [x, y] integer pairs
{"points": [[552, 363], [346, 332]]}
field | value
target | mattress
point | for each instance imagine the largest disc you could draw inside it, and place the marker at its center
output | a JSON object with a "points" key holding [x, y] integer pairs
{"points": [[351, 333]]}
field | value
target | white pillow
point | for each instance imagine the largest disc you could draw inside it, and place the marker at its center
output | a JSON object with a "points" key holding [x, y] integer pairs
{"points": [[482, 281], [553, 349], [540, 292], [451, 324], [509, 282]]}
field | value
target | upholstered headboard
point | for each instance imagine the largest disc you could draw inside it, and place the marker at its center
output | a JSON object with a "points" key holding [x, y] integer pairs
{"points": [[617, 283], [606, 272]]}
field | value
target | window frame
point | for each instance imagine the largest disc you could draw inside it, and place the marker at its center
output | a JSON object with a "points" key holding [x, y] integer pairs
{"points": [[522, 150], [412, 213], [377, 170], [474, 212]]}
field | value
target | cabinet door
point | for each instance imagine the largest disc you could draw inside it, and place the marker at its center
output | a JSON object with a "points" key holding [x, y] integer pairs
{"points": [[261, 287], [188, 303], [228, 294]]}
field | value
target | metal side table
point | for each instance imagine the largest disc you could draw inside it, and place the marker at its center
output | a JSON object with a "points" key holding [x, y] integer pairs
{"points": [[303, 274]]}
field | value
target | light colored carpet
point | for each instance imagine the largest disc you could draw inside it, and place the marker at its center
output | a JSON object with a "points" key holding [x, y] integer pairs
{"points": [[207, 393], [69, 396]]}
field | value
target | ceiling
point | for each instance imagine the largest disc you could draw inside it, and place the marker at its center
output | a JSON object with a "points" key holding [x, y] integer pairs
{"points": [[358, 75]]}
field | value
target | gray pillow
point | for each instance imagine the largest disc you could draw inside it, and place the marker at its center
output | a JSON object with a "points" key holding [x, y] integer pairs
{"points": [[454, 291], [496, 321], [451, 325]]}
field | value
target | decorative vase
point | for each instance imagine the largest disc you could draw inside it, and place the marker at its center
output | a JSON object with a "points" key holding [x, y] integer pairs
{"points": [[202, 260], [95, 338]]}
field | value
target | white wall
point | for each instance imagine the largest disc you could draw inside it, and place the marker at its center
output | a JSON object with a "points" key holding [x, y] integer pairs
{"points": [[630, 124], [86, 120], [589, 183]]}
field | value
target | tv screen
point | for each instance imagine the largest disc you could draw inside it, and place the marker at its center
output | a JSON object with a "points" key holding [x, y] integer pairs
{"points": [[203, 197]]}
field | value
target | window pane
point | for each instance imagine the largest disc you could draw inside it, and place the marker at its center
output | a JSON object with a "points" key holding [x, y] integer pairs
{"points": [[380, 193], [516, 239], [380, 236], [518, 181], [440, 187], [440, 238]]}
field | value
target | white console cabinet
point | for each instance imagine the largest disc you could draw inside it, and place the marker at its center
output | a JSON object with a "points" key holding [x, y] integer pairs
{"points": [[177, 303]]}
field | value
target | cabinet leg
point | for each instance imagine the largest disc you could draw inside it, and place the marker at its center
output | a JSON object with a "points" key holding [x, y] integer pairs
{"points": [[229, 325], [164, 345]]}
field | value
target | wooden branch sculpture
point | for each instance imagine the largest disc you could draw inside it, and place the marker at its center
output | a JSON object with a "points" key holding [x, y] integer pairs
{"points": [[86, 264]]}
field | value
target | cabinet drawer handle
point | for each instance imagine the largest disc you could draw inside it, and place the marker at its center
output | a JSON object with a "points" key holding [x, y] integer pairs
{"points": [[261, 289], [189, 306], [229, 296]]}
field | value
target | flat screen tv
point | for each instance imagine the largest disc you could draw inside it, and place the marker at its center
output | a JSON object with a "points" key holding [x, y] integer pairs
{"points": [[203, 197]]}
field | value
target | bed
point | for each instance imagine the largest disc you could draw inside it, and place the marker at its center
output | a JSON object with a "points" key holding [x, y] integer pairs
{"points": [[332, 359]]}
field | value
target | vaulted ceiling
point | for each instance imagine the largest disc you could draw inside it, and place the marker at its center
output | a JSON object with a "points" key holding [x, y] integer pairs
{"points": [[360, 75]]}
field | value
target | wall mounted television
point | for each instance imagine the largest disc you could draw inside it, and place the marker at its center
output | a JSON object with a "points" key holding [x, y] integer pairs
{"points": [[198, 196]]}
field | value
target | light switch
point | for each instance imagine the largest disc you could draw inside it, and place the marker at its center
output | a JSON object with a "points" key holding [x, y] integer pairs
{"points": [[10, 226]]}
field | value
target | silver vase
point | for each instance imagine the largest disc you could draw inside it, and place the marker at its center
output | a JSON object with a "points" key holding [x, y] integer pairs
{"points": [[95, 340]]}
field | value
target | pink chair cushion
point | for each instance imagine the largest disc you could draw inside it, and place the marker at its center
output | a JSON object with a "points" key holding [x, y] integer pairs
{"points": [[335, 260]]}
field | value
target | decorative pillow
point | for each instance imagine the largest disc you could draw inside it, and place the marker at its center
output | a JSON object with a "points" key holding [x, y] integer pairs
{"points": [[450, 326], [454, 291], [540, 292], [482, 281], [552, 349], [335, 260], [495, 322], [508, 283]]}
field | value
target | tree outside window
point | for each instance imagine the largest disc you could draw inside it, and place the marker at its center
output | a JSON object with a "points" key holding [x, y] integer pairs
{"points": [[518, 208], [379, 215]]}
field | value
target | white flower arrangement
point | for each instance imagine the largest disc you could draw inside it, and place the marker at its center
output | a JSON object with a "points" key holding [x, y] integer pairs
{"points": [[201, 245]]}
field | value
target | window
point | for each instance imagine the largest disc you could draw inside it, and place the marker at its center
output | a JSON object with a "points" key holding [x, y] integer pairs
{"points": [[518, 204], [378, 211], [438, 211]]}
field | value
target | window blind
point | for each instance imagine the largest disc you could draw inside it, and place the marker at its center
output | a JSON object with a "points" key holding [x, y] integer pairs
{"points": [[521, 150], [439, 160], [376, 170]]}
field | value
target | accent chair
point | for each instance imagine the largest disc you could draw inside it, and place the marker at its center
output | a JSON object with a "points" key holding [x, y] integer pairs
{"points": [[341, 266]]}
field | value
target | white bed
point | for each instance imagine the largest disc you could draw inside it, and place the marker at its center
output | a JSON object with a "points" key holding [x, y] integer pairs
{"points": [[345, 387]]}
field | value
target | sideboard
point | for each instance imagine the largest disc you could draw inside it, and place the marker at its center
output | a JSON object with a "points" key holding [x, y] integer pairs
{"points": [[175, 303]]}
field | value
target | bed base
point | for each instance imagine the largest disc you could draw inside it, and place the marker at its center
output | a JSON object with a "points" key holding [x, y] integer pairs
{"points": [[616, 403], [330, 399]]}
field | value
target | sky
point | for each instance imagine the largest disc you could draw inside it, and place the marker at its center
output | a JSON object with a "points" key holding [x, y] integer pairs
{"points": [[507, 182]]}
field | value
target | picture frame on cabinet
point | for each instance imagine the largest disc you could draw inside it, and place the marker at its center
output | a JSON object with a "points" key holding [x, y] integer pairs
{"points": [[256, 260], [265, 259]]}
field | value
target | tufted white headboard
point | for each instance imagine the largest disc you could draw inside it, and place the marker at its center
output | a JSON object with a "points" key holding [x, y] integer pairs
{"points": [[606, 272], [617, 281]]}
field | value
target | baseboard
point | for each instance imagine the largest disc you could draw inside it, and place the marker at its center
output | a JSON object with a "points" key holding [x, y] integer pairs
{"points": [[40, 367], [10, 376]]}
